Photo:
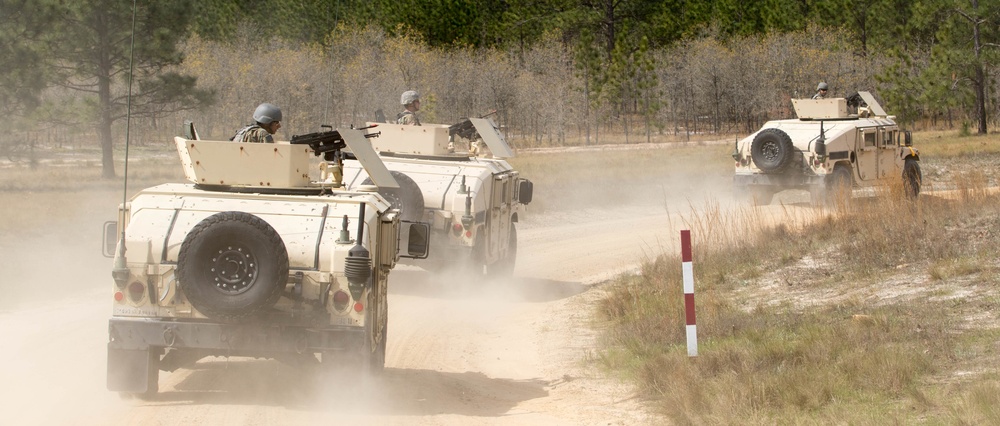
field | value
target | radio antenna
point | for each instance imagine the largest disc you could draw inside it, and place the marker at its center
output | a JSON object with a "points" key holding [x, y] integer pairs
{"points": [[120, 272]]}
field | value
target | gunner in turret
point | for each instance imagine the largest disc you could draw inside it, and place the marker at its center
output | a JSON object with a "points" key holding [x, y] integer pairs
{"points": [[411, 101], [267, 121]]}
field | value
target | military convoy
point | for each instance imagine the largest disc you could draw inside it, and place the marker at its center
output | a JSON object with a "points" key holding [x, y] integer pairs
{"points": [[470, 196], [255, 258], [833, 145]]}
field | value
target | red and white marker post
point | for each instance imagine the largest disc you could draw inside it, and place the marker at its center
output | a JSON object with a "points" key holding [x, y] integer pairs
{"points": [[688, 275]]}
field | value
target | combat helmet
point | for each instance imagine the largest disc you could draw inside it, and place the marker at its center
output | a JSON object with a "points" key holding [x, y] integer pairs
{"points": [[409, 97], [266, 113]]}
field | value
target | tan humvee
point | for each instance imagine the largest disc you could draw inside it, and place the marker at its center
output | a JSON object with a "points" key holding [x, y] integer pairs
{"points": [[834, 145], [252, 258], [472, 202]]}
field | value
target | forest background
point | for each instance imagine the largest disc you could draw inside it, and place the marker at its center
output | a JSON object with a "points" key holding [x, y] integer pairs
{"points": [[558, 72]]}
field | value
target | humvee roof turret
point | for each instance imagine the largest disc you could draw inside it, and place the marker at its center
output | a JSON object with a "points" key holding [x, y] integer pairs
{"points": [[832, 146]]}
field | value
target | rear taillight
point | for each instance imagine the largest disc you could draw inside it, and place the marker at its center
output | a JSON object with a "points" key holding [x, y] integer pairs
{"points": [[358, 307]]}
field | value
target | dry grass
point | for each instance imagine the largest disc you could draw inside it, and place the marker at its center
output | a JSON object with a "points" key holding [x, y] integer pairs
{"points": [[879, 312]]}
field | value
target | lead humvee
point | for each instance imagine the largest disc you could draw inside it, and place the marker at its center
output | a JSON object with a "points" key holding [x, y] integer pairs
{"points": [[253, 258], [832, 146], [469, 194]]}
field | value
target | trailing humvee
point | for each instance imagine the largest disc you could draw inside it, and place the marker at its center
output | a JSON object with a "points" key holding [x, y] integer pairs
{"points": [[833, 146], [253, 258], [472, 202]]}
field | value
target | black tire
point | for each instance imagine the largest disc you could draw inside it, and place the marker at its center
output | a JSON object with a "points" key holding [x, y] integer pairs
{"points": [[407, 198], [232, 265], [772, 150], [839, 186], [504, 268], [912, 178]]}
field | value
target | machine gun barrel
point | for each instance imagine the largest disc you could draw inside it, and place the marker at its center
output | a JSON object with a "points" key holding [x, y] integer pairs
{"points": [[326, 142], [465, 128]]}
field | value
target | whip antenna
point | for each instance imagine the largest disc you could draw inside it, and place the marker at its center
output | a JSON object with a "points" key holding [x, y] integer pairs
{"points": [[120, 272]]}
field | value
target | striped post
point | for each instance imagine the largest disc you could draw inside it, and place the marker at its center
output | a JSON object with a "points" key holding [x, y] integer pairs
{"points": [[688, 271]]}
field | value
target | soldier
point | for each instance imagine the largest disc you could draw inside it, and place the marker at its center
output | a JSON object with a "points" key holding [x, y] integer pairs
{"points": [[410, 100], [267, 121], [820, 91]]}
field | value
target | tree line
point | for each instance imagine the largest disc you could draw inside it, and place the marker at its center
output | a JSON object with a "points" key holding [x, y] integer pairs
{"points": [[557, 71]]}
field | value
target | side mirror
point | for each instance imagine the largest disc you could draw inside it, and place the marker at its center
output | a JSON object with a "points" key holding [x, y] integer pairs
{"points": [[524, 190], [110, 238], [907, 138], [418, 240]]}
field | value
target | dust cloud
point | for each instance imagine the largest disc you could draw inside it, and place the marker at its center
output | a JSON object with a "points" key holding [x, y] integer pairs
{"points": [[54, 308]]}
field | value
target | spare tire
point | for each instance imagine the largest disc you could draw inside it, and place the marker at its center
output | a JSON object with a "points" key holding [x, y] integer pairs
{"points": [[772, 150], [407, 198], [232, 265]]}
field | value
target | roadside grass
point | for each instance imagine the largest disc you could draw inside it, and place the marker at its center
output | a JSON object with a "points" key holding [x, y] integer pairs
{"points": [[882, 311], [955, 155]]}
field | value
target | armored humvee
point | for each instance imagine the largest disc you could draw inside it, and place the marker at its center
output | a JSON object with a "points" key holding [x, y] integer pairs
{"points": [[833, 146], [445, 178], [253, 258]]}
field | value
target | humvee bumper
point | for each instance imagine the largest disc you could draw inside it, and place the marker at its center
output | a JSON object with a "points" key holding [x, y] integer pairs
{"points": [[229, 339], [784, 181]]}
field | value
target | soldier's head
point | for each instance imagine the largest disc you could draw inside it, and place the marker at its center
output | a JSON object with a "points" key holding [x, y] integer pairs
{"points": [[268, 117], [410, 99], [822, 87]]}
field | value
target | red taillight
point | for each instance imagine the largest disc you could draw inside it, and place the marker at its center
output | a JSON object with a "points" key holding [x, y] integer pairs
{"points": [[119, 296], [358, 307], [340, 300], [468, 234]]}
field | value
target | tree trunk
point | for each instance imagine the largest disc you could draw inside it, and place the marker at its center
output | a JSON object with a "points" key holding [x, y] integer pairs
{"points": [[104, 106]]}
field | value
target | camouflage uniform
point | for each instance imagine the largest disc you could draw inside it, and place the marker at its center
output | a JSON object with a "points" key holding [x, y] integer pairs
{"points": [[407, 118], [253, 133]]}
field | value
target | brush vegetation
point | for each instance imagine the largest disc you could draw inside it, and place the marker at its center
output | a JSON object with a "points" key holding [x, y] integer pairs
{"points": [[881, 311]]}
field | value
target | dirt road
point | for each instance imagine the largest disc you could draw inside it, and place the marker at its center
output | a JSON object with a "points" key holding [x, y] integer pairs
{"points": [[458, 353]]}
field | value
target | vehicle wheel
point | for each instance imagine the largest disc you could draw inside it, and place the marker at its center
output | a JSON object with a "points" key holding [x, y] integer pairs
{"points": [[912, 178], [839, 187], [407, 198], [232, 265], [504, 268], [772, 150]]}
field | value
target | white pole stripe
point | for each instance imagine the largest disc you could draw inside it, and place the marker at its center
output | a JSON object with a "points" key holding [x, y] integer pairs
{"points": [[687, 268], [692, 340]]}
